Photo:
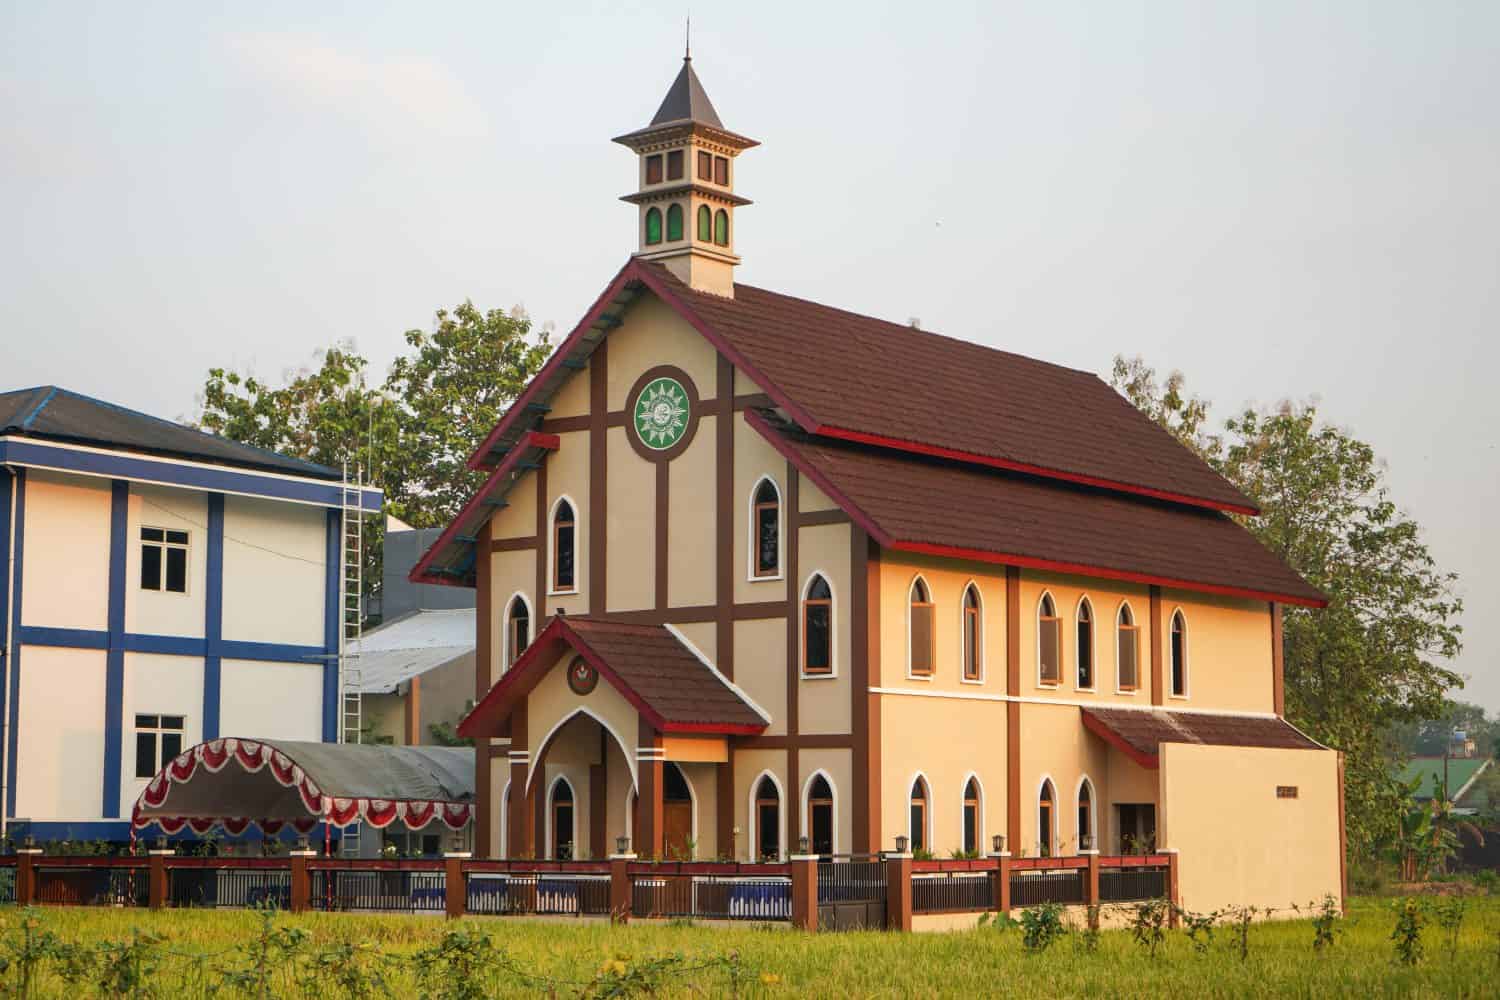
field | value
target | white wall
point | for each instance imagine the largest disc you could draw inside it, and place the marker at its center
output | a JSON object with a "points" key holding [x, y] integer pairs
{"points": [[271, 700], [274, 557], [157, 685], [60, 753], [65, 579], [159, 612]]}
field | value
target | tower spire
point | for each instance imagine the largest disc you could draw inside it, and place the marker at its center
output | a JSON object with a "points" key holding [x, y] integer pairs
{"points": [[687, 43]]}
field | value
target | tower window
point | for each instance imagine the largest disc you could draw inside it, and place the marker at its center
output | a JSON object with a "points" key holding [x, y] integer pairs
{"points": [[705, 224], [674, 222], [721, 228], [653, 169], [721, 170], [674, 165], [653, 226], [705, 166]]}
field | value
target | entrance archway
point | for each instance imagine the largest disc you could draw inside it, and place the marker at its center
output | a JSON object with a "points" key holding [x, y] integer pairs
{"points": [[679, 814]]}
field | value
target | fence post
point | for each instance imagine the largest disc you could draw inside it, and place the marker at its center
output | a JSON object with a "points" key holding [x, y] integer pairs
{"points": [[455, 886], [898, 892], [1174, 888], [301, 881], [619, 887], [804, 891], [1091, 886], [26, 875], [156, 878], [1001, 887]]}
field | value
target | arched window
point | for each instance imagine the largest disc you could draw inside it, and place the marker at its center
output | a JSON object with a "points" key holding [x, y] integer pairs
{"points": [[705, 224], [765, 531], [918, 815], [564, 548], [674, 222], [1179, 655], [820, 816], [971, 816], [1128, 642], [721, 228], [562, 820], [1049, 641], [1085, 831], [517, 629], [920, 655], [767, 820], [817, 627], [973, 637], [653, 226], [1085, 645], [1044, 808]]}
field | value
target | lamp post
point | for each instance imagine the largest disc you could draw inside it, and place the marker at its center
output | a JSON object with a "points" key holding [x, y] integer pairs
{"points": [[902, 843]]}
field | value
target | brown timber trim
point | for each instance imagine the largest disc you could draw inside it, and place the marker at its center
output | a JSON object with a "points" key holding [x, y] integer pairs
{"points": [[485, 841], [1343, 843], [617, 418], [599, 800], [724, 585], [519, 839], [749, 400], [563, 425], [1013, 708], [413, 719], [649, 801], [542, 529], [696, 614], [598, 480], [873, 747], [792, 523], [1278, 661], [663, 512], [859, 686], [1158, 693], [804, 741], [513, 544], [814, 518]]}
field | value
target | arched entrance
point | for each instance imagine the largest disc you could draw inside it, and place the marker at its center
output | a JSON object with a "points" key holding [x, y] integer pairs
{"points": [[679, 815]]}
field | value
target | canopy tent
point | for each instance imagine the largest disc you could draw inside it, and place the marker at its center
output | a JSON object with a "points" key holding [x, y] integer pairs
{"points": [[275, 783]]}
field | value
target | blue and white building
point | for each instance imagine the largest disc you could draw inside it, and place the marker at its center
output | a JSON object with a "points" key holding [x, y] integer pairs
{"points": [[161, 587]]}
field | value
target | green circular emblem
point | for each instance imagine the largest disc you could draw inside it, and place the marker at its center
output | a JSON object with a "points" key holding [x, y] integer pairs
{"points": [[662, 412]]}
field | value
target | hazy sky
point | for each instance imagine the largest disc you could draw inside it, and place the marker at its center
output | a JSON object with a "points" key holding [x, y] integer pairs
{"points": [[1281, 199]]}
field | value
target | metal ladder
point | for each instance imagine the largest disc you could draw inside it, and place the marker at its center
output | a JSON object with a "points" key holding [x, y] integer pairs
{"points": [[351, 628]]}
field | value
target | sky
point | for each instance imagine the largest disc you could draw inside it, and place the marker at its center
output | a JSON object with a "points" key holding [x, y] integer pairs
{"points": [[1284, 201]]}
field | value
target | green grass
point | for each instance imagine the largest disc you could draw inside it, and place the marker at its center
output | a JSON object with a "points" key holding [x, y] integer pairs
{"points": [[591, 958]]}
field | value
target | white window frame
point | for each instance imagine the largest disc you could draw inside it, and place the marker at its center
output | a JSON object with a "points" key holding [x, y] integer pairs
{"points": [[1042, 598], [752, 841], [1093, 644], [1187, 656], [1036, 802], [547, 827], [551, 543], [833, 628], [1115, 630], [927, 811], [165, 547], [158, 731], [1093, 831], [983, 659], [962, 788], [510, 603], [753, 542], [932, 599], [833, 793]]}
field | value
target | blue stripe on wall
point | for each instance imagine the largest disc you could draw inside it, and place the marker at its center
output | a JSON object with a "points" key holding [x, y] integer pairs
{"points": [[5, 481], [170, 645], [114, 659], [213, 616], [18, 557], [332, 620]]}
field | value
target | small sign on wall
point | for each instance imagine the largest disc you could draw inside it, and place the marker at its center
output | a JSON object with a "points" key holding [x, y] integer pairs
{"points": [[1286, 791]]}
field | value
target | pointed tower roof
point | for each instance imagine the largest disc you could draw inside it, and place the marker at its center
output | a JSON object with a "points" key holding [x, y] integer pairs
{"points": [[687, 101]]}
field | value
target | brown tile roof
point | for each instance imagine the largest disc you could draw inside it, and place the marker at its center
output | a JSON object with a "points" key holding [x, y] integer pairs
{"points": [[666, 682], [853, 375], [941, 507], [1140, 733]]}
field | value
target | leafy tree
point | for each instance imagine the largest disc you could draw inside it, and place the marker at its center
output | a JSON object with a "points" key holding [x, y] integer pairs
{"points": [[1375, 657]]}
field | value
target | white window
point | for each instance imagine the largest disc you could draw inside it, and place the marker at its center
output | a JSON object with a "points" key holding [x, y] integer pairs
{"points": [[564, 548], [158, 738], [164, 559], [765, 531]]}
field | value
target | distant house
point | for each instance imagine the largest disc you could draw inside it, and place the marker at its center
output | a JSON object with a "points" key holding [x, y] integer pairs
{"points": [[1461, 775], [164, 587]]}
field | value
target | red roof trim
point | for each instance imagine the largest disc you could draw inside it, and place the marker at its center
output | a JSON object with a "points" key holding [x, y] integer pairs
{"points": [[533, 439], [714, 728], [778, 442], [1096, 726], [1035, 470]]}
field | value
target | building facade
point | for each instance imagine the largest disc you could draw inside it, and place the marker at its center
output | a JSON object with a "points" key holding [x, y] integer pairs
{"points": [[751, 569], [163, 587]]}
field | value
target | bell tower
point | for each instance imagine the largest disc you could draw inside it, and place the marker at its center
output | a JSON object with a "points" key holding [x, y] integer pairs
{"points": [[685, 194]]}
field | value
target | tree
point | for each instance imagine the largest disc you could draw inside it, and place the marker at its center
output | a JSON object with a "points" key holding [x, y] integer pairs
{"points": [[1375, 656]]}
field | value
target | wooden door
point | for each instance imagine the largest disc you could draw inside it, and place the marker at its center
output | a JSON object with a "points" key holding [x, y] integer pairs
{"points": [[677, 820]]}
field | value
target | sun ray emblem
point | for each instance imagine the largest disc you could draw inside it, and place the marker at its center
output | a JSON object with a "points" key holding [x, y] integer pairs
{"points": [[662, 413]]}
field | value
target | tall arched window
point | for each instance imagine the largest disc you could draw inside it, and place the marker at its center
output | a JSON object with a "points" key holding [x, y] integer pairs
{"points": [[562, 820], [564, 548], [1085, 645], [705, 224], [653, 226], [820, 816], [918, 815], [721, 228], [517, 629], [971, 816], [973, 636], [1049, 641], [921, 654], [1128, 642], [674, 222], [767, 819], [817, 627], [1085, 831], [765, 531], [1044, 819], [1179, 655]]}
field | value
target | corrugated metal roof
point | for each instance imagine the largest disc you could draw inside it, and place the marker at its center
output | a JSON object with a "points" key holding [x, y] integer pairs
{"points": [[412, 645]]}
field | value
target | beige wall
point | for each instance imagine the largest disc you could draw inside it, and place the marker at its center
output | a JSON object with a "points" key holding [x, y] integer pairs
{"points": [[824, 700], [1105, 597], [65, 577], [631, 527], [162, 612], [749, 765], [946, 580], [511, 574], [654, 334], [1056, 747], [760, 667], [1237, 843], [838, 766], [1228, 651], [274, 580], [691, 519], [568, 476], [552, 702], [754, 458]]}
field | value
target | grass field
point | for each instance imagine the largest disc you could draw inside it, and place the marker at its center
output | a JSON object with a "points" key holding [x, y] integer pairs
{"points": [[187, 954]]}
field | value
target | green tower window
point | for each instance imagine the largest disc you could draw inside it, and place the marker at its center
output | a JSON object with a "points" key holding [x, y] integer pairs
{"points": [[653, 225], [674, 222], [705, 224], [721, 228]]}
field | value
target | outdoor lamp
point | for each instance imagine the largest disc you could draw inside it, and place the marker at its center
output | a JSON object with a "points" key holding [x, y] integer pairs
{"points": [[1086, 842], [901, 844], [622, 844], [161, 843], [999, 841], [302, 843], [28, 842], [802, 845]]}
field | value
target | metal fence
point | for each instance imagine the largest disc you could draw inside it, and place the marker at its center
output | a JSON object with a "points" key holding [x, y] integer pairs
{"points": [[540, 893], [77, 885], [408, 891], [1123, 885], [7, 884], [1031, 888], [859, 879], [709, 897], [952, 891], [227, 887]]}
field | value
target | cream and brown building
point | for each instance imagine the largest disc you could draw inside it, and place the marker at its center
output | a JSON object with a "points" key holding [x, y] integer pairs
{"points": [[751, 569]]}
